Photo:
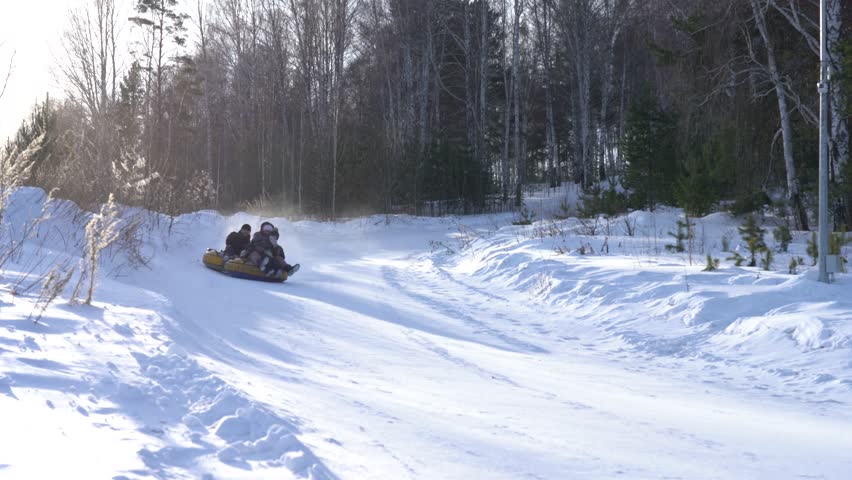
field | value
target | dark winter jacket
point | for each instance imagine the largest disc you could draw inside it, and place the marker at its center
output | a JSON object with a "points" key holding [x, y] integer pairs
{"points": [[260, 243], [235, 243]]}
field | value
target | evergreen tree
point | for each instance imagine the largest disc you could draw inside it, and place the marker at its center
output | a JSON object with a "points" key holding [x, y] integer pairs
{"points": [[40, 125], [782, 236], [684, 234], [813, 249], [712, 264], [752, 234], [650, 153], [766, 261]]}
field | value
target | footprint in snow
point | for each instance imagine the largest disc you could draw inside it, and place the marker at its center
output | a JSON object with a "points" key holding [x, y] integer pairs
{"points": [[30, 344]]}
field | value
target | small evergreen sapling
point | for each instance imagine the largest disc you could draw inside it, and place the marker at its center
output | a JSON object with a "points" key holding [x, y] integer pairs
{"points": [[737, 259], [795, 263], [526, 217], [726, 243], [752, 234], [782, 236], [712, 264], [684, 233], [766, 261], [813, 249], [836, 242]]}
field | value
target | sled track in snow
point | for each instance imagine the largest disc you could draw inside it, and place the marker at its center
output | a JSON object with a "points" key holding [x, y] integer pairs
{"points": [[433, 294]]}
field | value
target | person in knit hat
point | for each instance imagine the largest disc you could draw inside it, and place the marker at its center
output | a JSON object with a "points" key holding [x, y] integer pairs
{"points": [[237, 242], [259, 249]]}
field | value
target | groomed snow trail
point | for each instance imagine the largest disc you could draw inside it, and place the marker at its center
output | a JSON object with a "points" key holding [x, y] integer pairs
{"points": [[400, 368], [384, 358]]}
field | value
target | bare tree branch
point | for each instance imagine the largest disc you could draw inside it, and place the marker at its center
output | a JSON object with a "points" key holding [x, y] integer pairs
{"points": [[8, 74]]}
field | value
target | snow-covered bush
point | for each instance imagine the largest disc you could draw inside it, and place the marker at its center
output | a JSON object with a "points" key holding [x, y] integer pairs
{"points": [[15, 168], [101, 231]]}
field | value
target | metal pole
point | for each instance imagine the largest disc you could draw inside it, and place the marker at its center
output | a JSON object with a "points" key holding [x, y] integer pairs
{"points": [[824, 78]]}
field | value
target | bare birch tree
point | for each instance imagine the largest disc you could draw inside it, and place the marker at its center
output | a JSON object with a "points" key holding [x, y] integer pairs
{"points": [[775, 78], [808, 27]]}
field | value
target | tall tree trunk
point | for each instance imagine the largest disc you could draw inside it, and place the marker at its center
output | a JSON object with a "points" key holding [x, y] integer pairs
{"points": [[508, 88], [516, 33], [482, 130], [786, 129], [604, 151], [839, 126], [543, 18]]}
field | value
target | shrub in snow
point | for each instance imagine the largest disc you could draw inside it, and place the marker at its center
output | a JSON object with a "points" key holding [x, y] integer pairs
{"points": [[629, 225], [795, 263], [684, 234], [101, 231], [53, 286], [813, 249], [726, 243], [750, 203], [712, 264], [766, 261], [526, 217], [597, 201], [782, 236], [836, 242], [737, 259], [752, 234], [15, 168], [695, 195]]}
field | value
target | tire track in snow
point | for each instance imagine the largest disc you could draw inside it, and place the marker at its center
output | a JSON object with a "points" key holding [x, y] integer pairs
{"points": [[452, 307]]}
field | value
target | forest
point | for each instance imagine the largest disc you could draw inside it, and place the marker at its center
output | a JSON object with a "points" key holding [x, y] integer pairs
{"points": [[334, 108]]}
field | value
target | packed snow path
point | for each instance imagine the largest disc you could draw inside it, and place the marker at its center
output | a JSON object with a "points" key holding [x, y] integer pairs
{"points": [[382, 359]]}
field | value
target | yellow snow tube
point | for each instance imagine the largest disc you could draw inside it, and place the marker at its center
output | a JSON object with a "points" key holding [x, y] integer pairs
{"points": [[239, 268], [213, 259]]}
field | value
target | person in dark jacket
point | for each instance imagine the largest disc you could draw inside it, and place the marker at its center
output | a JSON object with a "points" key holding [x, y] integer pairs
{"points": [[237, 242], [259, 250]]}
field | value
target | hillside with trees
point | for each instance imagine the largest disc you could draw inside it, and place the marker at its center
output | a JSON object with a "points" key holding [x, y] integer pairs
{"points": [[340, 107]]}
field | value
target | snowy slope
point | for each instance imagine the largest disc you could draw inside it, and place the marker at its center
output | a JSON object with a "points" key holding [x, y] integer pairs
{"points": [[426, 348]]}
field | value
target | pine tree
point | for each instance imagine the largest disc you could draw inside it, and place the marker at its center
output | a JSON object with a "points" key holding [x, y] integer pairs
{"points": [[650, 153], [752, 234], [836, 242], [795, 263], [737, 259], [813, 249], [766, 261], [684, 234], [782, 236], [712, 264]]}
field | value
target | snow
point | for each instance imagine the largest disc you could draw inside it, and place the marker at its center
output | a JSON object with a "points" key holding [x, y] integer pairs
{"points": [[459, 347]]}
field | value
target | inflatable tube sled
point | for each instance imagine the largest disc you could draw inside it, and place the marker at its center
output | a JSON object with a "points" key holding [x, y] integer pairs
{"points": [[237, 267]]}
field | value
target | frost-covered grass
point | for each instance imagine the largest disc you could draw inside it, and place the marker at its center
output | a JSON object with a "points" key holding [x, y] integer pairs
{"points": [[426, 348]]}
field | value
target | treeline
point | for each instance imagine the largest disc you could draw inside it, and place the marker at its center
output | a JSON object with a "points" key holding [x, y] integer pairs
{"points": [[335, 107]]}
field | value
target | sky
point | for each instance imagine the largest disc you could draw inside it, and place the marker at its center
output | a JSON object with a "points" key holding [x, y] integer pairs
{"points": [[31, 31]]}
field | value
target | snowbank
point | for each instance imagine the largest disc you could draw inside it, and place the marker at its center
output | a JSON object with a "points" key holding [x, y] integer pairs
{"points": [[460, 347]]}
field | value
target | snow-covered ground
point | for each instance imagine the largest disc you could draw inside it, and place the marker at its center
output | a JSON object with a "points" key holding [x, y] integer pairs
{"points": [[426, 348]]}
